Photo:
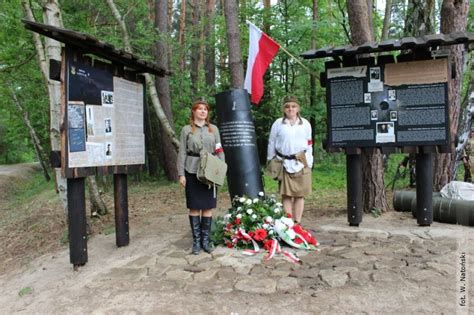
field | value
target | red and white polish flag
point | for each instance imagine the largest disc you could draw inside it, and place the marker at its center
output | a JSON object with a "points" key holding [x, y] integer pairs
{"points": [[262, 50]]}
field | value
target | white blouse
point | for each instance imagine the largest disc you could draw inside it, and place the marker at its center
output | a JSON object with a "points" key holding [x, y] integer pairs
{"points": [[291, 139]]}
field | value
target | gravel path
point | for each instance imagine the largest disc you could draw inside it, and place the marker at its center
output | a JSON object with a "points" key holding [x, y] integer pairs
{"points": [[387, 265]]}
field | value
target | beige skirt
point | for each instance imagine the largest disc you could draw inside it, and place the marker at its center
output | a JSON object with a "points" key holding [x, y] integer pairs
{"points": [[296, 184]]}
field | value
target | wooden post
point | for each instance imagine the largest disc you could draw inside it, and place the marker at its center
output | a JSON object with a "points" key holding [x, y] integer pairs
{"points": [[121, 210], [77, 221], [354, 189], [424, 189]]}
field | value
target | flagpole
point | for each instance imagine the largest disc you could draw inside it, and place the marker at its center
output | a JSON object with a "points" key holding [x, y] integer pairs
{"points": [[296, 59], [287, 52]]}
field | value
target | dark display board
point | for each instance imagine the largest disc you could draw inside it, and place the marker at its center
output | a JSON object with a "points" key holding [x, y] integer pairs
{"points": [[88, 83], [403, 104]]}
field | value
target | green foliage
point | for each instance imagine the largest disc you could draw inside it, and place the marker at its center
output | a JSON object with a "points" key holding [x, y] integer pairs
{"points": [[402, 180], [109, 229], [20, 72], [329, 173], [250, 215], [287, 22], [25, 291], [217, 230], [22, 191]]}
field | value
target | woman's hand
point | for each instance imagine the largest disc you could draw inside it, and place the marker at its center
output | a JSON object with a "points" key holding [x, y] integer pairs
{"points": [[182, 180]]}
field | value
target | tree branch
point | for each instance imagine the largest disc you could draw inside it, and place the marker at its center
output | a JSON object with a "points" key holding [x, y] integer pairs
{"points": [[24, 62], [34, 138], [344, 21], [149, 79], [37, 40]]}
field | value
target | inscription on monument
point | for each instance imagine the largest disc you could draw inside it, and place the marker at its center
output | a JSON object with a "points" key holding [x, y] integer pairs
{"points": [[237, 133]]}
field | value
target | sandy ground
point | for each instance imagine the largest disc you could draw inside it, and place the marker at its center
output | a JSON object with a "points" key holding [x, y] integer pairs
{"points": [[387, 265]]}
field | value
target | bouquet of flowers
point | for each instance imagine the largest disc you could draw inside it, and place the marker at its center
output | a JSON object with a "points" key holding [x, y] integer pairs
{"points": [[261, 222]]}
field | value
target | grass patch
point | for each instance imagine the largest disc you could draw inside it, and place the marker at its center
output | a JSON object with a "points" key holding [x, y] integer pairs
{"points": [[328, 175], [110, 229], [26, 190], [25, 291]]}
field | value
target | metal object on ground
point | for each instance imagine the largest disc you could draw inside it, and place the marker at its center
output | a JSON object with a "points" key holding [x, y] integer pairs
{"points": [[445, 210]]}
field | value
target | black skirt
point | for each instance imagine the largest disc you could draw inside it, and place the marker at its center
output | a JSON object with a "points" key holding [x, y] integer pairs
{"points": [[198, 195]]}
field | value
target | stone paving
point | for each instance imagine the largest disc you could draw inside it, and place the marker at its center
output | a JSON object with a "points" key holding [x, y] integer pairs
{"points": [[387, 265]]}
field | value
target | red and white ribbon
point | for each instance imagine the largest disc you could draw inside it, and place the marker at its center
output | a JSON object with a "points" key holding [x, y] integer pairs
{"points": [[247, 237]]}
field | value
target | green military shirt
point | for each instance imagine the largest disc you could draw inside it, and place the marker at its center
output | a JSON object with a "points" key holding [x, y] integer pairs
{"points": [[191, 144]]}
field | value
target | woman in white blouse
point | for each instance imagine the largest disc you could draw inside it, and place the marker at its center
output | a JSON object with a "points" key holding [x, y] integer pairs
{"points": [[291, 141]]}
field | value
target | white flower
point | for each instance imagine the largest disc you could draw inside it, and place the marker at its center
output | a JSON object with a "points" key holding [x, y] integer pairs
{"points": [[289, 222], [254, 216], [255, 200], [278, 204], [282, 227], [261, 194], [242, 199], [265, 226], [249, 201], [249, 211], [227, 216], [239, 208], [270, 232], [269, 219], [239, 216], [276, 210]]}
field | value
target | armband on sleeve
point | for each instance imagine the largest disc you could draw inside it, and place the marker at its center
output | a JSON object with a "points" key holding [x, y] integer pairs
{"points": [[219, 148]]}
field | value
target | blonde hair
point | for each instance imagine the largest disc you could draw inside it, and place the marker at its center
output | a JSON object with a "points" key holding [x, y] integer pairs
{"points": [[297, 114]]}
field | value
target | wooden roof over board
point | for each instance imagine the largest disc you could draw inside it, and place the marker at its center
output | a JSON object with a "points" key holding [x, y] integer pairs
{"points": [[428, 41], [97, 47]]}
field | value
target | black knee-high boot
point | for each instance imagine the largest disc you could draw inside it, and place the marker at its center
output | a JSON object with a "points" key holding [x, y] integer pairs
{"points": [[205, 233], [195, 222]]}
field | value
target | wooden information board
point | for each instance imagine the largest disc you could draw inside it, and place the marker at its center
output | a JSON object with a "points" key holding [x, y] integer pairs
{"points": [[104, 118]]}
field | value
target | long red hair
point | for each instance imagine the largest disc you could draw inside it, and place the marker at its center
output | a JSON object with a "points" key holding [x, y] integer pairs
{"points": [[191, 118]]}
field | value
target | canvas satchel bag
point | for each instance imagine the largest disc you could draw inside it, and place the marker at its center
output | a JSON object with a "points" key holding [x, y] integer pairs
{"points": [[211, 170], [275, 169]]}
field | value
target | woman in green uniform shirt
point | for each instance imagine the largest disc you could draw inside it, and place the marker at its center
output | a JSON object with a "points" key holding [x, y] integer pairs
{"points": [[198, 135]]}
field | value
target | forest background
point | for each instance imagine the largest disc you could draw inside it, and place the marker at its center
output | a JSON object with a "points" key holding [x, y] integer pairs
{"points": [[189, 39]]}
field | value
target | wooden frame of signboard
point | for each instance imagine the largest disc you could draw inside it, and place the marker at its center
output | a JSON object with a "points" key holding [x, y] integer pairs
{"points": [[108, 148], [92, 132], [353, 68]]}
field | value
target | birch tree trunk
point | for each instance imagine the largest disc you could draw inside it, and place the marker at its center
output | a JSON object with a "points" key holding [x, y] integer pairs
{"points": [[51, 50], [453, 19], [418, 21], [170, 155], [98, 206], [210, 52], [40, 154], [231, 12], [374, 195]]}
